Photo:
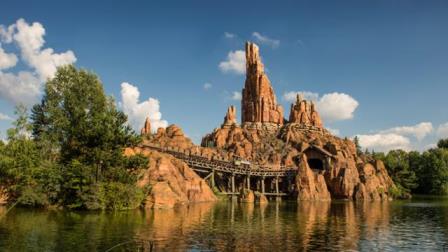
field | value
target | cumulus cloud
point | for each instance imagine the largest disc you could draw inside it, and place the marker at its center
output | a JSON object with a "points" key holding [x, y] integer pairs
{"points": [[138, 111], [24, 87], [235, 63], [442, 130], [292, 95], [332, 107], [207, 86], [397, 137], [7, 60], [335, 132], [5, 117], [236, 96], [384, 142], [274, 43], [229, 35], [419, 131]]}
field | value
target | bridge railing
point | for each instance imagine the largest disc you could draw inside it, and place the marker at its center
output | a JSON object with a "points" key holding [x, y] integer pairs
{"points": [[203, 161]]}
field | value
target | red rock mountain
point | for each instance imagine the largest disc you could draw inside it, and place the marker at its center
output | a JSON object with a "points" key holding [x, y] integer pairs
{"points": [[258, 103], [328, 167]]}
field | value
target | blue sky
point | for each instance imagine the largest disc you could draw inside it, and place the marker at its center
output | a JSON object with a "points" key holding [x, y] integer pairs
{"points": [[391, 57]]}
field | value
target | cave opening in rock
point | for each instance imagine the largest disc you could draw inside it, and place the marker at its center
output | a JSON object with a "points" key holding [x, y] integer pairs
{"points": [[315, 164]]}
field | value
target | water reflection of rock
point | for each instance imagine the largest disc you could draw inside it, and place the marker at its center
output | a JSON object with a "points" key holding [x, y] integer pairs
{"points": [[340, 226], [168, 229]]}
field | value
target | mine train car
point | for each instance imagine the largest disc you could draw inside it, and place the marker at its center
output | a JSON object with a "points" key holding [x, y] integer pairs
{"points": [[241, 162]]}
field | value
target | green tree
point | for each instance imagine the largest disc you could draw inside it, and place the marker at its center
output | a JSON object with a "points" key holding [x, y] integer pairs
{"points": [[357, 145], [21, 163], [432, 172], [81, 125], [398, 167], [443, 143]]}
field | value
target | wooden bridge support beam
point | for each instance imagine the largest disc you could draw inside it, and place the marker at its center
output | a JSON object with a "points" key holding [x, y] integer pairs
{"points": [[212, 178], [248, 182], [233, 182], [276, 185], [262, 185]]}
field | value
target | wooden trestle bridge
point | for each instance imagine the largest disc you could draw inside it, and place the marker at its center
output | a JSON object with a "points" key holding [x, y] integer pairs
{"points": [[231, 176]]}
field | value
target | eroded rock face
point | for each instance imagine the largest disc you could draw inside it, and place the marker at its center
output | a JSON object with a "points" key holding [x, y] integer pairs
{"points": [[171, 182], [328, 167], [230, 118], [258, 102], [305, 113], [146, 130], [310, 185]]}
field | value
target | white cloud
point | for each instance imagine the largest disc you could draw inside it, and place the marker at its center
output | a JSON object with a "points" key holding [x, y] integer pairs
{"points": [[30, 39], [292, 95], [442, 130], [274, 43], [236, 96], [7, 60], [24, 87], [384, 142], [235, 63], [5, 117], [335, 132], [138, 111], [429, 146], [419, 131], [332, 107], [337, 106], [6, 33], [207, 86], [229, 35]]}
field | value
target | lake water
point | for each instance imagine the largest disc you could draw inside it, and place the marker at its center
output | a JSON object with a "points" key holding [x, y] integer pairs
{"points": [[415, 225]]}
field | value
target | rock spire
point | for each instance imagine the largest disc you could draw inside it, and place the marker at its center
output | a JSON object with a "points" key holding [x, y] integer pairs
{"points": [[304, 112], [146, 130], [258, 103], [230, 118]]}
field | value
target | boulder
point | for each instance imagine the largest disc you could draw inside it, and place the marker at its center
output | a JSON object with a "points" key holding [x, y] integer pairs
{"points": [[310, 185], [170, 181]]}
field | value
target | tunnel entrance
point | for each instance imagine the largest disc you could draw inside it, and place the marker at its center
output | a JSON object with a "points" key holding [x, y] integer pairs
{"points": [[315, 164]]}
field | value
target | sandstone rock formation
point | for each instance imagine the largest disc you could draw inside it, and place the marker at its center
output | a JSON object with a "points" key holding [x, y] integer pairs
{"points": [[146, 130], [258, 103], [230, 118], [310, 185], [171, 182], [327, 166], [305, 113]]}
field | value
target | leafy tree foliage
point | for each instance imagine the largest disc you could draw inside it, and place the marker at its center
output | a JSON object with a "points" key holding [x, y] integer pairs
{"points": [[71, 153], [425, 173], [358, 146], [443, 143]]}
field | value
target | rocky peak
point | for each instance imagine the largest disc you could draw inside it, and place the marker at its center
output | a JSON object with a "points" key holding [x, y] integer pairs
{"points": [[258, 103], [304, 112], [146, 130], [230, 118]]}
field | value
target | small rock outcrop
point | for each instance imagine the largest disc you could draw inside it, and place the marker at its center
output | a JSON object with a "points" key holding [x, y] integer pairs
{"points": [[170, 181], [230, 118], [258, 102], [304, 112], [310, 185], [146, 130]]}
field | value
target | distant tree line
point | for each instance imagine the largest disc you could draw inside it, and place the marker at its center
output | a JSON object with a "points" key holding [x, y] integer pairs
{"points": [[418, 173], [69, 151]]}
